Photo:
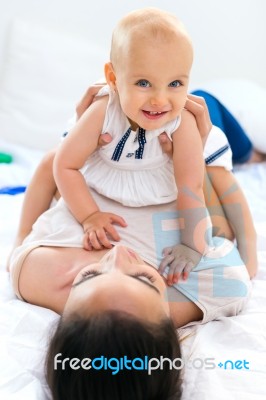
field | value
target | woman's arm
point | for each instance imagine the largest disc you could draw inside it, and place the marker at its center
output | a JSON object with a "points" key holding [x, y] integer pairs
{"points": [[237, 213], [220, 225], [38, 197]]}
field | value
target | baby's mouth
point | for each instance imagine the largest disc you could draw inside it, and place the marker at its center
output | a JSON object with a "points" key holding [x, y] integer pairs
{"points": [[154, 114]]}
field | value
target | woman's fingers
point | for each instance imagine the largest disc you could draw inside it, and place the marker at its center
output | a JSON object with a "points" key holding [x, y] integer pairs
{"points": [[104, 139], [198, 107], [88, 98], [166, 144]]}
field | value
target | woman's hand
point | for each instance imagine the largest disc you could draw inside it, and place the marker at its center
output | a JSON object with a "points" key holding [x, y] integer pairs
{"points": [[197, 106], [98, 229], [88, 98]]}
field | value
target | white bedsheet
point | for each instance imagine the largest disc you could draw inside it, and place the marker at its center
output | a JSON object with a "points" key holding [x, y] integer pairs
{"points": [[24, 328]]}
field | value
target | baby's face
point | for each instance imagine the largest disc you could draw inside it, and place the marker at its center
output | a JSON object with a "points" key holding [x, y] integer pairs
{"points": [[152, 81]]}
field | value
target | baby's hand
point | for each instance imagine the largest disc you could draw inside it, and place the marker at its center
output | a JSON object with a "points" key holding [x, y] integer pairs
{"points": [[97, 227], [181, 260]]}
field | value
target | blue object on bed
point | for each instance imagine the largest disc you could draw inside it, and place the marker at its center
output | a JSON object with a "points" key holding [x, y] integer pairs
{"points": [[220, 116], [12, 190]]}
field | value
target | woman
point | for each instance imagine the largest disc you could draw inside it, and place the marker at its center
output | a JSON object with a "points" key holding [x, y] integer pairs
{"points": [[115, 304]]}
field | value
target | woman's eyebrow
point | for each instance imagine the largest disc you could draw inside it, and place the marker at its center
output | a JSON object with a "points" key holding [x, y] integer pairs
{"points": [[131, 276]]}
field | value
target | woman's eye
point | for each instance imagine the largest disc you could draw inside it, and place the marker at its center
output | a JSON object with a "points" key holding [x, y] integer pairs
{"points": [[175, 84], [143, 83], [145, 276], [87, 273]]}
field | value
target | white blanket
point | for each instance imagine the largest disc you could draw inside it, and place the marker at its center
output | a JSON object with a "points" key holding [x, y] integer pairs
{"points": [[237, 344]]}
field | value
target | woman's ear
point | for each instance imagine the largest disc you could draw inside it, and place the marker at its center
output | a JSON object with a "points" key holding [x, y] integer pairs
{"points": [[110, 75]]}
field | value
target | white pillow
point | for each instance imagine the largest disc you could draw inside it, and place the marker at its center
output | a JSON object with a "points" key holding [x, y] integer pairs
{"points": [[246, 100], [46, 72]]}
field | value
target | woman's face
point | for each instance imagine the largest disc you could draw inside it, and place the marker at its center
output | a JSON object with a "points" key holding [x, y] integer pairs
{"points": [[119, 281]]}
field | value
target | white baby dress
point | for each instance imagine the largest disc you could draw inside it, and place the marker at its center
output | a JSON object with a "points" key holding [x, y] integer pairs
{"points": [[133, 169]]}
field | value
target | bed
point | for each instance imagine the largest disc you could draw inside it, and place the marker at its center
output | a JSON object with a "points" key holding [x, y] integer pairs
{"points": [[224, 359]]}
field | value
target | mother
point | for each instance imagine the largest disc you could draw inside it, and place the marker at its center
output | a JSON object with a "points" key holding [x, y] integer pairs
{"points": [[117, 311]]}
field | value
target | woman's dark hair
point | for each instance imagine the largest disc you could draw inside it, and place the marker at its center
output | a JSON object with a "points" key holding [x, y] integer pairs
{"points": [[109, 335]]}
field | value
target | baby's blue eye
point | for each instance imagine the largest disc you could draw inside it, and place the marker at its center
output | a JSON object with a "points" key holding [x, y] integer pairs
{"points": [[175, 84], [143, 83]]}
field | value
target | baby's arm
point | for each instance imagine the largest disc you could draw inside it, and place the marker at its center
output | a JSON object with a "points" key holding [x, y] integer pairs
{"points": [[189, 170], [237, 212], [79, 144], [189, 174]]}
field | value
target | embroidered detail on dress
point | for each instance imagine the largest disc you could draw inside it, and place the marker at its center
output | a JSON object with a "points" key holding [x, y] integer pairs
{"points": [[121, 144], [119, 147], [142, 141], [217, 154]]}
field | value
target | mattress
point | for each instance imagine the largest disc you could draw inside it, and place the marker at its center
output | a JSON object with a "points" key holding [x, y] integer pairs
{"points": [[223, 359]]}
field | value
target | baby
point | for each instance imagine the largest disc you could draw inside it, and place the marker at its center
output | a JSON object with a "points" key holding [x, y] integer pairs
{"points": [[147, 76]]}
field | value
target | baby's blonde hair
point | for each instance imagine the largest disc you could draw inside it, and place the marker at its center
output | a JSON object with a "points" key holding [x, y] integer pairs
{"points": [[146, 23]]}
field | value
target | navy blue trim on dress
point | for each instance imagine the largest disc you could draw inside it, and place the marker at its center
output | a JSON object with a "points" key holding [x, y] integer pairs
{"points": [[142, 141], [120, 146], [218, 153]]}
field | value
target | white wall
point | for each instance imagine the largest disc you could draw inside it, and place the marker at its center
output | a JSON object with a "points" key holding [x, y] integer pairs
{"points": [[229, 35]]}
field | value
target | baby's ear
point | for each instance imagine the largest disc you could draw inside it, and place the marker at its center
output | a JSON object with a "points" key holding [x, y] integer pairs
{"points": [[110, 75]]}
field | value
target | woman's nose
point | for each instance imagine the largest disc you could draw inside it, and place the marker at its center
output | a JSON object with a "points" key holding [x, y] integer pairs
{"points": [[117, 258]]}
